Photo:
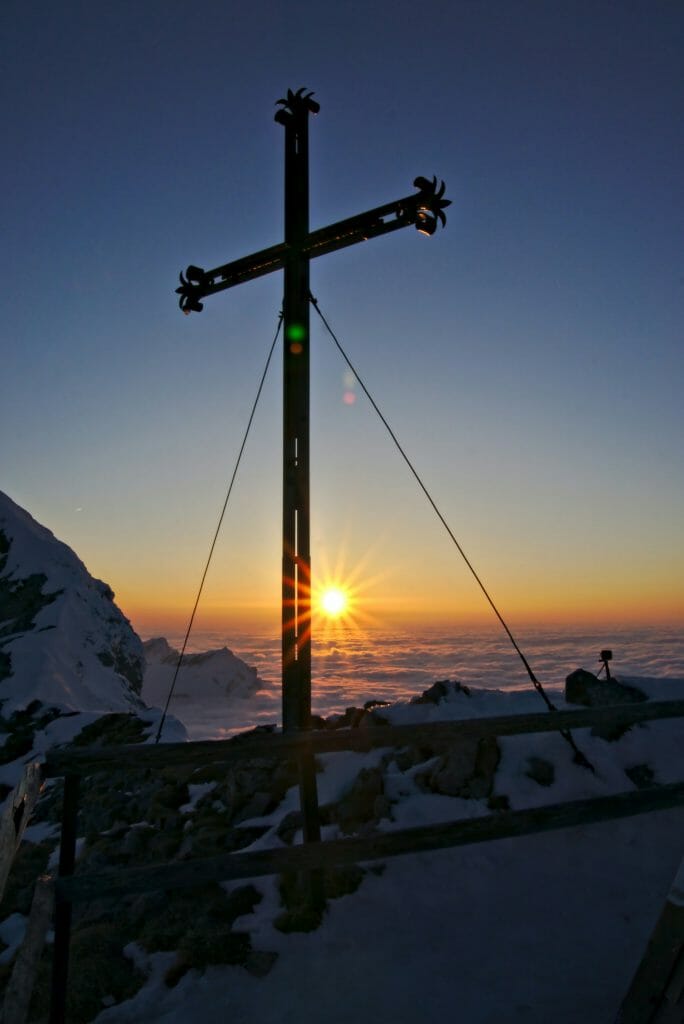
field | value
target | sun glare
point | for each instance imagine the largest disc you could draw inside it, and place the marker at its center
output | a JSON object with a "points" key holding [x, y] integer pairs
{"points": [[340, 598], [333, 602]]}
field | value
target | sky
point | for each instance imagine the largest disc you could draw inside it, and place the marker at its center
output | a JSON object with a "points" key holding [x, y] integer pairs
{"points": [[528, 356]]}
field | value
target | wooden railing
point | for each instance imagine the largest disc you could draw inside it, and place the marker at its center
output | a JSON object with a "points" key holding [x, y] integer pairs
{"points": [[76, 764]]}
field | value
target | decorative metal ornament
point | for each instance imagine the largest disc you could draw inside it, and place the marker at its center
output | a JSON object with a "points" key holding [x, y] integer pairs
{"points": [[191, 291], [296, 104], [430, 205]]}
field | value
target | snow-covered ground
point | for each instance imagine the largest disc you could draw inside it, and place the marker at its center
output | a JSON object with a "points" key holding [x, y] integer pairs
{"points": [[534, 929], [540, 929]]}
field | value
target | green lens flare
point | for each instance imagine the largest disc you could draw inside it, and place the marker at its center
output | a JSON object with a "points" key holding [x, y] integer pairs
{"points": [[296, 332]]}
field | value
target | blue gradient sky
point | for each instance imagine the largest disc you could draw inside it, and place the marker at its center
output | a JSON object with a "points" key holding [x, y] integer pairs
{"points": [[529, 356]]}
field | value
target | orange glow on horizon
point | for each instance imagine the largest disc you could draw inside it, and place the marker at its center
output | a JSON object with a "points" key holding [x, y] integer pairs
{"points": [[380, 613], [404, 597]]}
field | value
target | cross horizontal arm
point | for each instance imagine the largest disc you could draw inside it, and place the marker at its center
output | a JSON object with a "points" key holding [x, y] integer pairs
{"points": [[423, 209], [371, 224]]}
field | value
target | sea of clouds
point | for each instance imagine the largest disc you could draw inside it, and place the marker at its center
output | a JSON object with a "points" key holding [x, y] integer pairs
{"points": [[352, 666]]}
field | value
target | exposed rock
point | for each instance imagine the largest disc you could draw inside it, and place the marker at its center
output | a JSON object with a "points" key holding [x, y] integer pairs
{"points": [[289, 826], [363, 804], [410, 756], [19, 729], [441, 690], [111, 730], [583, 687], [259, 804], [100, 973], [199, 925], [342, 881], [641, 775], [355, 718], [466, 770], [541, 771], [304, 895]]}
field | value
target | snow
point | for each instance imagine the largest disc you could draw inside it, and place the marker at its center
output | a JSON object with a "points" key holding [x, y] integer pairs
{"points": [[12, 931], [535, 929]]}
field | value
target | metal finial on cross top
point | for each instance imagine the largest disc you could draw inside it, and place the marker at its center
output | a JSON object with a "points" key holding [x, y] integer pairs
{"points": [[424, 209]]}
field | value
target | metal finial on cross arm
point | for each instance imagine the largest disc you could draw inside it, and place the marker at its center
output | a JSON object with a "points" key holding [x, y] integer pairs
{"points": [[425, 210]]}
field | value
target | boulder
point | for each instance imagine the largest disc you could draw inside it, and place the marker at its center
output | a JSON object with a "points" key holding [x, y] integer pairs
{"points": [[466, 770], [441, 690], [583, 687], [541, 771], [364, 803]]}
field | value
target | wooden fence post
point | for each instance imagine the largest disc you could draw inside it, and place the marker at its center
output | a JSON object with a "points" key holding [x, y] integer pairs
{"points": [[23, 978], [656, 995], [308, 802]]}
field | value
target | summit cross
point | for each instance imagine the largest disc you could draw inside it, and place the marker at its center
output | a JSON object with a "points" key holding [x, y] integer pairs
{"points": [[424, 209]]}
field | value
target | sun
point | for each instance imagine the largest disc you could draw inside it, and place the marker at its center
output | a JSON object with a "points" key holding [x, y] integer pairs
{"points": [[340, 602], [333, 602]]}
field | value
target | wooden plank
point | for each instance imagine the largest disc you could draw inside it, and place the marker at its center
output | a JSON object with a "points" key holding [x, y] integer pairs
{"points": [[656, 994], [15, 817], [362, 739], [25, 970], [315, 856]]}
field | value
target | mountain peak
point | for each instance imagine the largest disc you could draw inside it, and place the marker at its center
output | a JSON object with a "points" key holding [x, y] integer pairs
{"points": [[63, 640]]}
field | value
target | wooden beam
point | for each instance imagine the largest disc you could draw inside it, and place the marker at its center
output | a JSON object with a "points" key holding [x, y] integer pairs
{"points": [[333, 853], [363, 739]]}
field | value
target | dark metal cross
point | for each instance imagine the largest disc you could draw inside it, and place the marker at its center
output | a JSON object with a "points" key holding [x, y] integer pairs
{"points": [[423, 209]]}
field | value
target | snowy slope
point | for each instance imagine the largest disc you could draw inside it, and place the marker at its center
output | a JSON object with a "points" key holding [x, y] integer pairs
{"points": [[63, 641]]}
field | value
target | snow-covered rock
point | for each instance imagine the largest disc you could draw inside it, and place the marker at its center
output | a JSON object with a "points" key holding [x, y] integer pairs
{"points": [[63, 641], [211, 676]]}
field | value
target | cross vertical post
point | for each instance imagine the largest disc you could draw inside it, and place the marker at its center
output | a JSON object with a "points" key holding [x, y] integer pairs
{"points": [[296, 571]]}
